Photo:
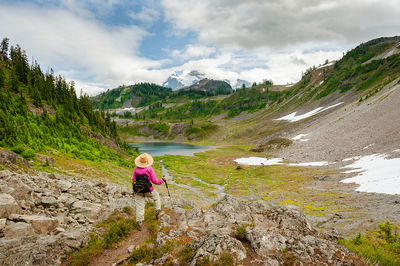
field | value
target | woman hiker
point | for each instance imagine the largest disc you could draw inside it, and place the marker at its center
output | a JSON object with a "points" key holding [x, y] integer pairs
{"points": [[143, 177]]}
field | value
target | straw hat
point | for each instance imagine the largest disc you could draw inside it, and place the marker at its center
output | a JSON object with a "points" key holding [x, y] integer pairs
{"points": [[144, 160]]}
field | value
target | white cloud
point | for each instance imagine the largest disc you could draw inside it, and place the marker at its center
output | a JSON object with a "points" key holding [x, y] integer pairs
{"points": [[257, 65], [194, 51], [251, 40], [147, 15], [271, 23], [98, 53]]}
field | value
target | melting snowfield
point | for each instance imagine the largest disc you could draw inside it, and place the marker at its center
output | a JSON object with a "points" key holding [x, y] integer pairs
{"points": [[274, 161], [294, 118], [300, 137], [258, 161], [377, 174]]}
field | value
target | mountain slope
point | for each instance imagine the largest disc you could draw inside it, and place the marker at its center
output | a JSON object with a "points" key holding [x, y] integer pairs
{"points": [[209, 86], [251, 112], [40, 112], [130, 96]]}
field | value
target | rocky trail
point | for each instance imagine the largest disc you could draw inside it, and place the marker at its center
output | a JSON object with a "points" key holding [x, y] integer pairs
{"points": [[120, 253]]}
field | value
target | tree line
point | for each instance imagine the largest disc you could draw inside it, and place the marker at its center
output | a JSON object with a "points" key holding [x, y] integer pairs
{"points": [[40, 110]]}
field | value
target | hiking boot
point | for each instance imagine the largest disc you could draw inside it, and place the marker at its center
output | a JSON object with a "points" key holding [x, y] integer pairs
{"points": [[159, 213], [140, 226]]}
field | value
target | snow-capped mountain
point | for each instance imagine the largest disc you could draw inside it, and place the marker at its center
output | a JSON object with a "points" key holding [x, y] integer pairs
{"points": [[177, 81]]}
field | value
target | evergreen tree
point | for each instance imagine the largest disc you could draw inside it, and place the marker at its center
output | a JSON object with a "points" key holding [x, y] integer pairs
{"points": [[2, 78], [4, 48], [14, 82]]}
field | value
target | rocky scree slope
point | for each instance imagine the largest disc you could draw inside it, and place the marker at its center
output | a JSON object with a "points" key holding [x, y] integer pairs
{"points": [[43, 216]]}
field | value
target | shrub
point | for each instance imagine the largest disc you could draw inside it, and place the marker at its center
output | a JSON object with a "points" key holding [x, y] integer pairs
{"points": [[240, 231], [28, 154], [186, 254], [161, 127], [18, 149], [127, 210], [277, 143]]}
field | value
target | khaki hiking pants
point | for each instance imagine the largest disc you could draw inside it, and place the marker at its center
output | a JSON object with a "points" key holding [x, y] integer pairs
{"points": [[140, 202]]}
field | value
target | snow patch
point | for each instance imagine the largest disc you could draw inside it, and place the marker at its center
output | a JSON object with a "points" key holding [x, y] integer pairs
{"points": [[258, 161], [274, 161], [351, 158], [129, 109], [294, 118], [376, 173], [329, 64], [323, 163], [300, 137], [368, 146]]}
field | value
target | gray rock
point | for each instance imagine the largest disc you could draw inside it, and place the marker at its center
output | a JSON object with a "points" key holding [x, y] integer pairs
{"points": [[131, 248], [40, 224], [213, 245], [90, 210], [2, 226], [67, 199], [265, 240], [49, 201], [3, 223], [75, 238], [18, 229], [64, 185], [8, 205], [59, 230], [5, 188]]}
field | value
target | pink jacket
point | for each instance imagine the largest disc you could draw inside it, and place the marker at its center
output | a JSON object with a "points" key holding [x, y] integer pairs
{"points": [[150, 173]]}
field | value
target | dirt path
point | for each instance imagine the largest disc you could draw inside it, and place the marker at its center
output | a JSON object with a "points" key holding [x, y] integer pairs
{"points": [[120, 252]]}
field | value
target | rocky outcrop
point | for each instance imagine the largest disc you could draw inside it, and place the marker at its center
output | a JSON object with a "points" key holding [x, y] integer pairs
{"points": [[43, 216], [277, 235], [12, 160], [213, 245]]}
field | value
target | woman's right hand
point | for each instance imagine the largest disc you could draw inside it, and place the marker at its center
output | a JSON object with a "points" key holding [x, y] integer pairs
{"points": [[164, 178]]}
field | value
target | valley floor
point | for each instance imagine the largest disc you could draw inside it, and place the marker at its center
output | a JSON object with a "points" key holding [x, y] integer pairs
{"points": [[329, 204]]}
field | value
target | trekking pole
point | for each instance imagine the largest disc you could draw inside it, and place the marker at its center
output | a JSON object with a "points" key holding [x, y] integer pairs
{"points": [[166, 185]]}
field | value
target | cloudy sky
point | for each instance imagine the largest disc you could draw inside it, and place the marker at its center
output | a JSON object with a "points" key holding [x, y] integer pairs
{"points": [[105, 43]]}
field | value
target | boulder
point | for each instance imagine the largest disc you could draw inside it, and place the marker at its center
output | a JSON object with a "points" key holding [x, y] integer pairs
{"points": [[5, 188], [21, 190], [40, 224], [64, 185], [265, 241], [213, 245], [88, 209], [2, 226], [18, 229], [75, 238], [66, 199], [49, 201], [8, 205]]}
